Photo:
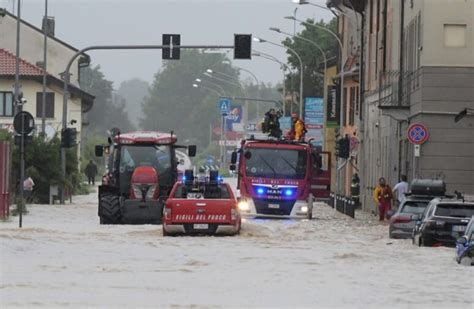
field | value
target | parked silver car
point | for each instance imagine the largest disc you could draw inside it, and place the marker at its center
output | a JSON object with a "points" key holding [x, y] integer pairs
{"points": [[404, 219]]}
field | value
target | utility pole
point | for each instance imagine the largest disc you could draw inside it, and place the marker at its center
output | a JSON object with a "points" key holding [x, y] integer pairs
{"points": [[19, 108], [45, 58]]}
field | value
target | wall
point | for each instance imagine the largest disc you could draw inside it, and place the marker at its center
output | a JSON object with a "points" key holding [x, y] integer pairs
{"points": [[31, 47], [30, 88]]}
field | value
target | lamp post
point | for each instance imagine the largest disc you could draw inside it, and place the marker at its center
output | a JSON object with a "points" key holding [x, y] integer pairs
{"points": [[207, 88], [253, 76], [325, 68], [45, 66], [199, 81], [356, 19], [222, 80], [341, 112], [301, 68], [283, 67]]}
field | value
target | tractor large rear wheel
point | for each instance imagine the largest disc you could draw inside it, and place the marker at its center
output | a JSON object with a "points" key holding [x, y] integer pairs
{"points": [[110, 209]]}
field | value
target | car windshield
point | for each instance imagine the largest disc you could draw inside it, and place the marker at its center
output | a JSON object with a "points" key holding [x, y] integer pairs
{"points": [[455, 210], [414, 207], [275, 163], [157, 156], [202, 192]]}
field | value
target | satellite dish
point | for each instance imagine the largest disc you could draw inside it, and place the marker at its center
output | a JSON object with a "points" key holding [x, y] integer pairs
{"points": [[50, 132]]}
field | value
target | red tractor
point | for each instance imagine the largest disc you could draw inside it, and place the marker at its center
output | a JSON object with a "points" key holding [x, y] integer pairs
{"points": [[141, 171]]}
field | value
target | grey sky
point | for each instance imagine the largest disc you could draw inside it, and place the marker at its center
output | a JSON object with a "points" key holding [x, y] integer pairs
{"points": [[89, 22]]}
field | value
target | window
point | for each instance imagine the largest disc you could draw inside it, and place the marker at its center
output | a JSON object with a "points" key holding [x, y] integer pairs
{"points": [[49, 104], [6, 104], [454, 35]]}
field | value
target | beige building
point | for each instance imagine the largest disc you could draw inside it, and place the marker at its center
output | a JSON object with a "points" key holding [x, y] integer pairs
{"points": [[31, 76], [417, 67]]}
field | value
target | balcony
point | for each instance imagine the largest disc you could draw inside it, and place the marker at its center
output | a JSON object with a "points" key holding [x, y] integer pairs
{"points": [[391, 96]]}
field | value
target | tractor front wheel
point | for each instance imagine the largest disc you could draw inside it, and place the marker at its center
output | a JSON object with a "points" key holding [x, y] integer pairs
{"points": [[110, 209]]}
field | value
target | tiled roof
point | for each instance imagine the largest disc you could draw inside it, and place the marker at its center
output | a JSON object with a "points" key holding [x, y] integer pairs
{"points": [[8, 65], [30, 71]]}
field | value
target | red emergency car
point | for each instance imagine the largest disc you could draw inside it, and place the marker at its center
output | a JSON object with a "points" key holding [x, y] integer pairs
{"points": [[201, 205]]}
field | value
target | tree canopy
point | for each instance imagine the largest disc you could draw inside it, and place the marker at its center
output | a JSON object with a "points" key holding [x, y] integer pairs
{"points": [[106, 112], [174, 104], [311, 56]]}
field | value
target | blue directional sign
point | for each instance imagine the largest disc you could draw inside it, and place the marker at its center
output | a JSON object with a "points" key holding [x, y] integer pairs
{"points": [[224, 106]]}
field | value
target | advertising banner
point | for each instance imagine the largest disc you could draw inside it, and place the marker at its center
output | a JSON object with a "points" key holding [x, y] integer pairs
{"points": [[332, 112], [314, 119], [234, 117]]}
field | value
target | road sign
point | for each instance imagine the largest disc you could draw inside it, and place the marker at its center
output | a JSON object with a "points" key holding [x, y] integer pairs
{"points": [[24, 123], [417, 133], [173, 40], [224, 106]]}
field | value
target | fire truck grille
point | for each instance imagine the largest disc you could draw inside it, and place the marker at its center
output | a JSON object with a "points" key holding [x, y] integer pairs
{"points": [[274, 207]]}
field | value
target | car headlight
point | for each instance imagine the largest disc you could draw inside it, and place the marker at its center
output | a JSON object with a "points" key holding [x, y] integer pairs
{"points": [[304, 209], [243, 205]]}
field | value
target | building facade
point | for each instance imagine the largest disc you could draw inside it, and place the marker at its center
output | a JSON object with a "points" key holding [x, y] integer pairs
{"points": [[417, 67], [31, 78]]}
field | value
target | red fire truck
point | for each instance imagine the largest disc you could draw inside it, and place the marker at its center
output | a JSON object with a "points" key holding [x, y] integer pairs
{"points": [[279, 178]]}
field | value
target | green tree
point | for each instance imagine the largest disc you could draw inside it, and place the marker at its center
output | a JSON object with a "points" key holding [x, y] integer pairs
{"points": [[311, 56], [174, 104], [108, 111], [42, 159]]}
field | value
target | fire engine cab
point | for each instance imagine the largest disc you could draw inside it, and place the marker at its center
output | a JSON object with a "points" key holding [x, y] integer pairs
{"points": [[201, 205], [280, 178]]}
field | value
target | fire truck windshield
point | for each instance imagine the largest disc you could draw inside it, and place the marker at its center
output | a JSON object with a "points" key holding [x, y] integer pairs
{"points": [[275, 163]]}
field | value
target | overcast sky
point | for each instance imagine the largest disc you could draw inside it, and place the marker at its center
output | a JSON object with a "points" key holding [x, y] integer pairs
{"points": [[90, 22]]}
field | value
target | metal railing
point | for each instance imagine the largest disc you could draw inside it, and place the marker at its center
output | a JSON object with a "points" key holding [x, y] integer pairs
{"points": [[389, 88]]}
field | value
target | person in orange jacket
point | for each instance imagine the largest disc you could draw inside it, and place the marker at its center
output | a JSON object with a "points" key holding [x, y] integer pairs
{"points": [[383, 198], [298, 129]]}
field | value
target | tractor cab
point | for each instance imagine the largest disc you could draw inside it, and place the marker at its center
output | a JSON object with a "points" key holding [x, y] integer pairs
{"points": [[141, 171]]}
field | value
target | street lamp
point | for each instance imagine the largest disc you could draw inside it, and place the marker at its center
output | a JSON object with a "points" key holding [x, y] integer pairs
{"points": [[341, 113], [301, 68], [207, 88], [253, 76], [283, 67], [199, 81], [301, 2], [325, 65], [341, 118], [221, 79]]}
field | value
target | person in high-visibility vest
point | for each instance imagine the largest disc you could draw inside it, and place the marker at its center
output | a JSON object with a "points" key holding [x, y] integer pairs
{"points": [[383, 198], [298, 127]]}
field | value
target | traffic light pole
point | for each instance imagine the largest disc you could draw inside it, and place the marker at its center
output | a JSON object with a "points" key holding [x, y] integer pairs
{"points": [[109, 47]]}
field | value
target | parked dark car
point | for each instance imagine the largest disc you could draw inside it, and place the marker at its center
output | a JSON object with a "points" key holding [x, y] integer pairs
{"points": [[422, 191], [465, 246], [443, 222]]}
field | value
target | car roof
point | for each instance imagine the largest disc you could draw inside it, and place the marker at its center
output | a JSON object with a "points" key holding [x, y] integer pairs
{"points": [[452, 201], [419, 198]]}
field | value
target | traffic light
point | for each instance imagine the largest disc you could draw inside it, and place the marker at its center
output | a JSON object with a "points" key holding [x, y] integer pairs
{"points": [[345, 147], [242, 46], [68, 137]]}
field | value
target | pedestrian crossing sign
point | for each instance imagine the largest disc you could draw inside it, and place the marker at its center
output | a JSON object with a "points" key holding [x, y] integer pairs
{"points": [[224, 106]]}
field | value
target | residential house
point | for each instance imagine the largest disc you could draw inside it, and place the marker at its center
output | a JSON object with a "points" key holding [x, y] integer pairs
{"points": [[31, 53]]}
